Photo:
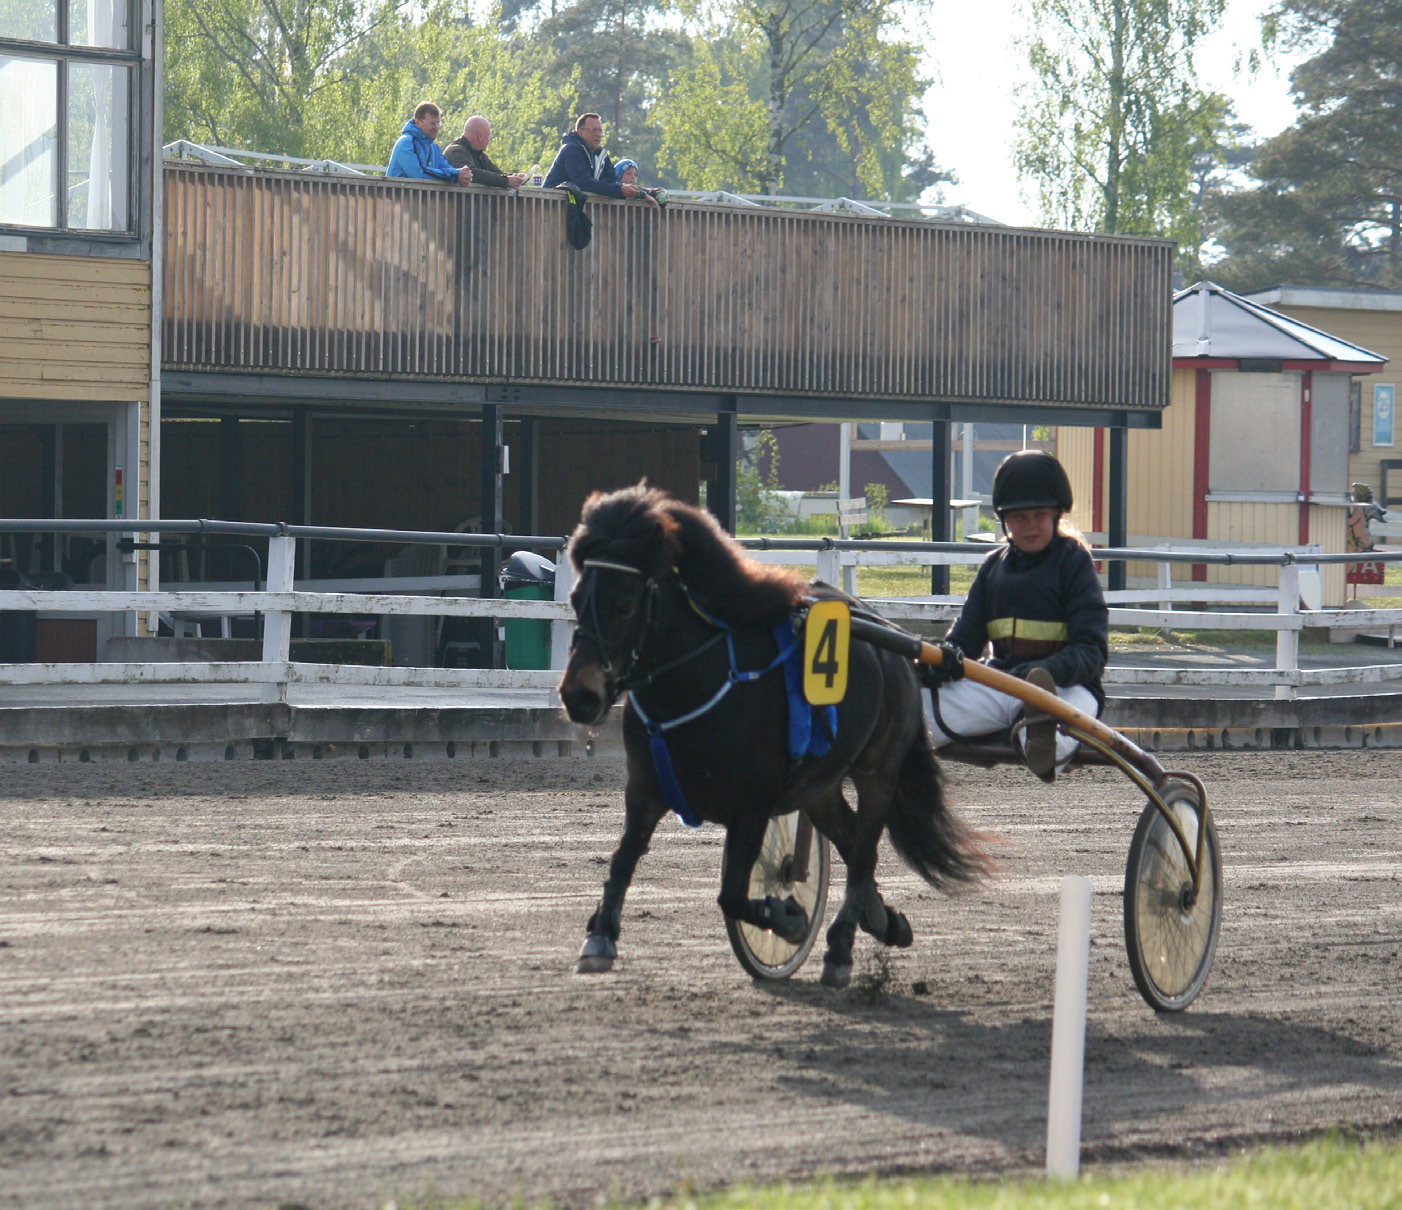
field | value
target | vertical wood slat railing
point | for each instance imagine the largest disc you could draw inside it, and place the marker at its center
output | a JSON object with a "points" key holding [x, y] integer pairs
{"points": [[282, 272]]}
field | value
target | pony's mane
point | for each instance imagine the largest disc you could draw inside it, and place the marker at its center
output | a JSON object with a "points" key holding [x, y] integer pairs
{"points": [[645, 528]]}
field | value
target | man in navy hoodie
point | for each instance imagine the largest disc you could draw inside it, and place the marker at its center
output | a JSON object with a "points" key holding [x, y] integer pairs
{"points": [[416, 155], [583, 162]]}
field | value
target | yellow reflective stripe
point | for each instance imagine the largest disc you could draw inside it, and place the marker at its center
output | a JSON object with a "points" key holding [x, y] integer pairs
{"points": [[1000, 629]]}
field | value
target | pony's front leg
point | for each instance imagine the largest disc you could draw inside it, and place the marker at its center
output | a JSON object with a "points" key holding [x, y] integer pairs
{"points": [[786, 918], [601, 945]]}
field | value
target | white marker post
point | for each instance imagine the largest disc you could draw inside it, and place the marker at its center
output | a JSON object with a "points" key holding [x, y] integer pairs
{"points": [[1068, 1049]]}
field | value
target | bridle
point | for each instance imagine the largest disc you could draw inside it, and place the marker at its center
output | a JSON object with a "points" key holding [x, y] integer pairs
{"points": [[590, 625], [622, 674]]}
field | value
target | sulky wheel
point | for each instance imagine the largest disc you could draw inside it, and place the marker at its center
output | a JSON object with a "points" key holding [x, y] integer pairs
{"points": [[761, 952], [1171, 934]]}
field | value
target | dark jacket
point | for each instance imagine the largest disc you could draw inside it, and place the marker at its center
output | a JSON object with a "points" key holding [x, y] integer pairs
{"points": [[582, 168], [461, 154], [1045, 609]]}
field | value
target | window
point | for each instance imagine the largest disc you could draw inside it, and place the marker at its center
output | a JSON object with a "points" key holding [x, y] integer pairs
{"points": [[1383, 398], [68, 75]]}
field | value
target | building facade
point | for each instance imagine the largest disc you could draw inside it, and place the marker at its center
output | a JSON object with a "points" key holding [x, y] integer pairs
{"points": [[79, 283]]}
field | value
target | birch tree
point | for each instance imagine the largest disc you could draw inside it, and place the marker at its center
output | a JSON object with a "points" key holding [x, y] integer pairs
{"points": [[1114, 119]]}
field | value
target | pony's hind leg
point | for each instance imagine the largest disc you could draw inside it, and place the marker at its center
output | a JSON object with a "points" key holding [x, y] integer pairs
{"points": [[856, 835]]}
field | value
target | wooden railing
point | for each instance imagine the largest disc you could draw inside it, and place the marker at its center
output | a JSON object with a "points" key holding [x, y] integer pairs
{"points": [[293, 273]]}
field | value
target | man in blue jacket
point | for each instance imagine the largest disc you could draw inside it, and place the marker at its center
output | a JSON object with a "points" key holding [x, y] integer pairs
{"points": [[583, 162], [416, 155]]}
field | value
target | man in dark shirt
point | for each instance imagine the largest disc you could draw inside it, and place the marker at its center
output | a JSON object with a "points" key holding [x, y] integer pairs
{"points": [[470, 151]]}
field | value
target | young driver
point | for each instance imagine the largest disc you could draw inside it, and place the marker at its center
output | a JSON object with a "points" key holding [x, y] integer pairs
{"points": [[1039, 605]]}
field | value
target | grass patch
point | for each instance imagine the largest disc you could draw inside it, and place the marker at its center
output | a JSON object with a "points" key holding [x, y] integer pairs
{"points": [[1329, 1173]]}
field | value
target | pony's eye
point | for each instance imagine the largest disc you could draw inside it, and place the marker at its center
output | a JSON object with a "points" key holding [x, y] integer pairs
{"points": [[625, 609]]}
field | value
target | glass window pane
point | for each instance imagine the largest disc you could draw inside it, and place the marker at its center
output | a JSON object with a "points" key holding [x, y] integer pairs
{"points": [[98, 167], [28, 141], [98, 23], [33, 19]]}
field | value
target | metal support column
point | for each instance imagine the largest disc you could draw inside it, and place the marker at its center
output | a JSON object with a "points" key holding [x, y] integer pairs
{"points": [[720, 447], [941, 528], [493, 438], [1117, 530], [525, 472], [230, 470]]}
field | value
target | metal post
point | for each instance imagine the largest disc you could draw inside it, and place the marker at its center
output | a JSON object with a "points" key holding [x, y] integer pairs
{"points": [[940, 527], [526, 459], [1118, 534], [277, 623], [1287, 642], [721, 448], [562, 633], [966, 483], [493, 429]]}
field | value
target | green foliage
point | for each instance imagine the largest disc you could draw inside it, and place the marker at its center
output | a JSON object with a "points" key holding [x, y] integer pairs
{"points": [[1324, 206], [799, 96], [339, 80], [1115, 122], [816, 96], [757, 509], [877, 497]]}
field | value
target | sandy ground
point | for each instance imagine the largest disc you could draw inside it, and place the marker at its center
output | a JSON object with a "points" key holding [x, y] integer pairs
{"points": [[334, 983]]}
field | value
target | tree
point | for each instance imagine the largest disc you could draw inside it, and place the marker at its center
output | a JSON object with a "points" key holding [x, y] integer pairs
{"points": [[794, 93], [339, 80], [1326, 208], [256, 73], [1113, 122], [622, 56]]}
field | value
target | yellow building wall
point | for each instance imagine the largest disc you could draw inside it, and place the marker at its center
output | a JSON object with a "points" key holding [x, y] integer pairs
{"points": [[1379, 332], [1160, 497], [77, 329], [74, 328]]}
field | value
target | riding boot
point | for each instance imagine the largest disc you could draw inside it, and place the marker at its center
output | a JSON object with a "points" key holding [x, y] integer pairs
{"points": [[1039, 731]]}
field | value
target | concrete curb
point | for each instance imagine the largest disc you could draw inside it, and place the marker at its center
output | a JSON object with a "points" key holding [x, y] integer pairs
{"points": [[274, 731]]}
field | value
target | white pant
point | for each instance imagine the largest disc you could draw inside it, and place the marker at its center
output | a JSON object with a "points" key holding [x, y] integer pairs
{"points": [[972, 710]]}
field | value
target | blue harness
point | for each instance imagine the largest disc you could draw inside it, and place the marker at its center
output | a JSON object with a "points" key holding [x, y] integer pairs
{"points": [[805, 739]]}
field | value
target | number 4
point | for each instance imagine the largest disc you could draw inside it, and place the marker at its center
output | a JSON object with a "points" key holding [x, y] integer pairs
{"points": [[827, 641]]}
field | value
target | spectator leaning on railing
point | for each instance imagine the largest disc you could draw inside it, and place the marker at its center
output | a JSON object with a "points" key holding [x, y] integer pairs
{"points": [[470, 151], [583, 162], [416, 155]]}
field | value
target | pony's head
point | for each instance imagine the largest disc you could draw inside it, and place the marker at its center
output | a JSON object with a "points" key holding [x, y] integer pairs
{"points": [[627, 545], [624, 543]]}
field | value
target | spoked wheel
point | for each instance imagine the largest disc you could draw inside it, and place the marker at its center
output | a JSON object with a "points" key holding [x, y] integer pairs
{"points": [[783, 870], [1170, 933]]}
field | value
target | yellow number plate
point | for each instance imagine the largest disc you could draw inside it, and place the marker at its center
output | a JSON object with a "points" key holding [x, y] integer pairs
{"points": [[827, 645]]}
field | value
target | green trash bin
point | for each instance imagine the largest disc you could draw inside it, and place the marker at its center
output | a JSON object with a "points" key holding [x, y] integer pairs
{"points": [[527, 577]]}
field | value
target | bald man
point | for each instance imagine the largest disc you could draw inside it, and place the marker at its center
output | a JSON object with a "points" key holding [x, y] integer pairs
{"points": [[470, 151]]}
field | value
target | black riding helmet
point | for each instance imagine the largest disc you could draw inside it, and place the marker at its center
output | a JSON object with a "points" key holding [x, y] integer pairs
{"points": [[1030, 479]]}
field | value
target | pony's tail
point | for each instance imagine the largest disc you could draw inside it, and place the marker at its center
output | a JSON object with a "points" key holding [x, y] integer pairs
{"points": [[931, 839]]}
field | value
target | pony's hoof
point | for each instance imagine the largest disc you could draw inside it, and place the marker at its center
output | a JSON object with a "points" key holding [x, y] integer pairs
{"points": [[788, 919], [597, 955], [898, 930], [835, 975]]}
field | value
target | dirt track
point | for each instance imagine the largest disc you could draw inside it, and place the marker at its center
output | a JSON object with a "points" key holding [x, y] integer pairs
{"points": [[243, 984]]}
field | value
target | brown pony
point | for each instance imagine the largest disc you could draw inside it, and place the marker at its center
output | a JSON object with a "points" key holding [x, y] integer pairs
{"points": [[671, 612]]}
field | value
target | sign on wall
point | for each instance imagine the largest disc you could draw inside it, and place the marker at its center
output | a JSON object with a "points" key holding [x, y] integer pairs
{"points": [[1384, 394]]}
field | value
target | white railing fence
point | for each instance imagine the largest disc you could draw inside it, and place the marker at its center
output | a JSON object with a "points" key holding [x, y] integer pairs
{"points": [[1165, 607]]}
